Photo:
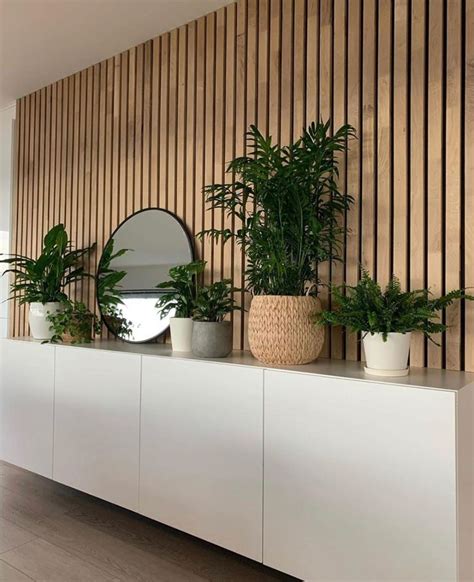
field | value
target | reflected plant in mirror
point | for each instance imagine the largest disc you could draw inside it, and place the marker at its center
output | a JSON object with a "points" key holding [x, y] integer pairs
{"points": [[108, 291], [127, 279], [179, 297]]}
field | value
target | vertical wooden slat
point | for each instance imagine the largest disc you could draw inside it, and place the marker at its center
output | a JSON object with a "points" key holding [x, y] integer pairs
{"points": [[263, 39], [384, 143], [181, 151], [339, 118], [299, 66], [138, 146], [171, 135], [452, 250], [354, 115], [116, 142], [274, 72], [469, 184], [147, 82], [130, 195], [95, 155], [17, 214], [155, 122], [400, 144], [368, 135], [80, 201], [219, 132], [74, 227], [47, 160], [164, 104], [35, 194], [417, 163], [209, 112], [240, 129], [312, 61], [123, 158], [60, 151], [52, 161], [101, 155], [89, 236], [435, 166], [40, 193], [199, 131], [286, 111], [326, 23], [190, 170], [230, 68]]}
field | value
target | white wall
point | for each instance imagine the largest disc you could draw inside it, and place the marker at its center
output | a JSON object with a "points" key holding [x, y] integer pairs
{"points": [[7, 117]]}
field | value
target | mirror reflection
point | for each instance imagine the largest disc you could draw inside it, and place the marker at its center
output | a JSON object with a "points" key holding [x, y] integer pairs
{"points": [[135, 260]]}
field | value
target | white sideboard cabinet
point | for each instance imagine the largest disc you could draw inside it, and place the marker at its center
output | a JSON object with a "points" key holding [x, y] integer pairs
{"points": [[27, 405], [318, 471], [97, 423], [360, 479], [202, 449]]}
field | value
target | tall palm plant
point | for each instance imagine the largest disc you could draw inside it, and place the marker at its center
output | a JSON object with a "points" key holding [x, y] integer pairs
{"points": [[287, 204]]}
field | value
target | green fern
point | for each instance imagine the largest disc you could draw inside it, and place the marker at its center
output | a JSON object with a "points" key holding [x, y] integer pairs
{"points": [[366, 308]]}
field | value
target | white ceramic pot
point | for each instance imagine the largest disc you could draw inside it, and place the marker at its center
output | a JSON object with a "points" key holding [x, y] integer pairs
{"points": [[388, 358], [39, 325], [181, 333]]}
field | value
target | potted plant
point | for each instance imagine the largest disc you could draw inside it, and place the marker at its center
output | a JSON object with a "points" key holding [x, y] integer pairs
{"points": [[179, 298], [386, 319], [212, 336], [288, 206], [42, 282], [74, 323], [108, 291]]}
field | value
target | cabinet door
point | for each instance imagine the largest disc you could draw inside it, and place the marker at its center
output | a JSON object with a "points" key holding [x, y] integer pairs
{"points": [[359, 480], [201, 450], [96, 428], [26, 403]]}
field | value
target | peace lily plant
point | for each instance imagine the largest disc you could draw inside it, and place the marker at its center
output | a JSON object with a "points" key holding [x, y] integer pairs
{"points": [[42, 283], [387, 318], [178, 298]]}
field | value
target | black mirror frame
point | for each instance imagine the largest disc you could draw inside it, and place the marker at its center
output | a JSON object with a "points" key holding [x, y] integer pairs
{"points": [[192, 252]]}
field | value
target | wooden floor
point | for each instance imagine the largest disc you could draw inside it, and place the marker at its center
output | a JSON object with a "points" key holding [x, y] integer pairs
{"points": [[49, 532]]}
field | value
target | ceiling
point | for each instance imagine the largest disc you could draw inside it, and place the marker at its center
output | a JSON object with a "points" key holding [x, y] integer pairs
{"points": [[42, 41]]}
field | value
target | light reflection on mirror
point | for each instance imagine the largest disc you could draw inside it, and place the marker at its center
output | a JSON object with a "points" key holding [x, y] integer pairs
{"points": [[137, 257]]}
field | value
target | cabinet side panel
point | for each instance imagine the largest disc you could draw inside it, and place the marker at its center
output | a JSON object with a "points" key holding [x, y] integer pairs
{"points": [[26, 405], [465, 486]]}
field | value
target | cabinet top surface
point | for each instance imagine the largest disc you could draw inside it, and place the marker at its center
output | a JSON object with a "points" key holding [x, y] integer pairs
{"points": [[429, 378]]}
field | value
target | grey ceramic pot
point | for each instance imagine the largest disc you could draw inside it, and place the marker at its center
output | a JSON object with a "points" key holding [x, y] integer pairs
{"points": [[212, 339]]}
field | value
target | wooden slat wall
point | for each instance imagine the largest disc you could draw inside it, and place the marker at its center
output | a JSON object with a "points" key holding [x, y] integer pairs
{"points": [[152, 125]]}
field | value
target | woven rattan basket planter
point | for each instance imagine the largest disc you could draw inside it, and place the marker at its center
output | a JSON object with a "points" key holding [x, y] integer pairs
{"points": [[282, 329]]}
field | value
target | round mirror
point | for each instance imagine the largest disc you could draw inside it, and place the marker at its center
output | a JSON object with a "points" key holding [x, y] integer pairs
{"points": [[135, 260]]}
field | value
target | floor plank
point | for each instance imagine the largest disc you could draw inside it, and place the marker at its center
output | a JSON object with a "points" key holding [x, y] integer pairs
{"points": [[118, 543], [10, 574], [12, 536], [43, 561]]}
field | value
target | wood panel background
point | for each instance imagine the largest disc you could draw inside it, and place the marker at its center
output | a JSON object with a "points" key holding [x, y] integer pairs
{"points": [[151, 126]]}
